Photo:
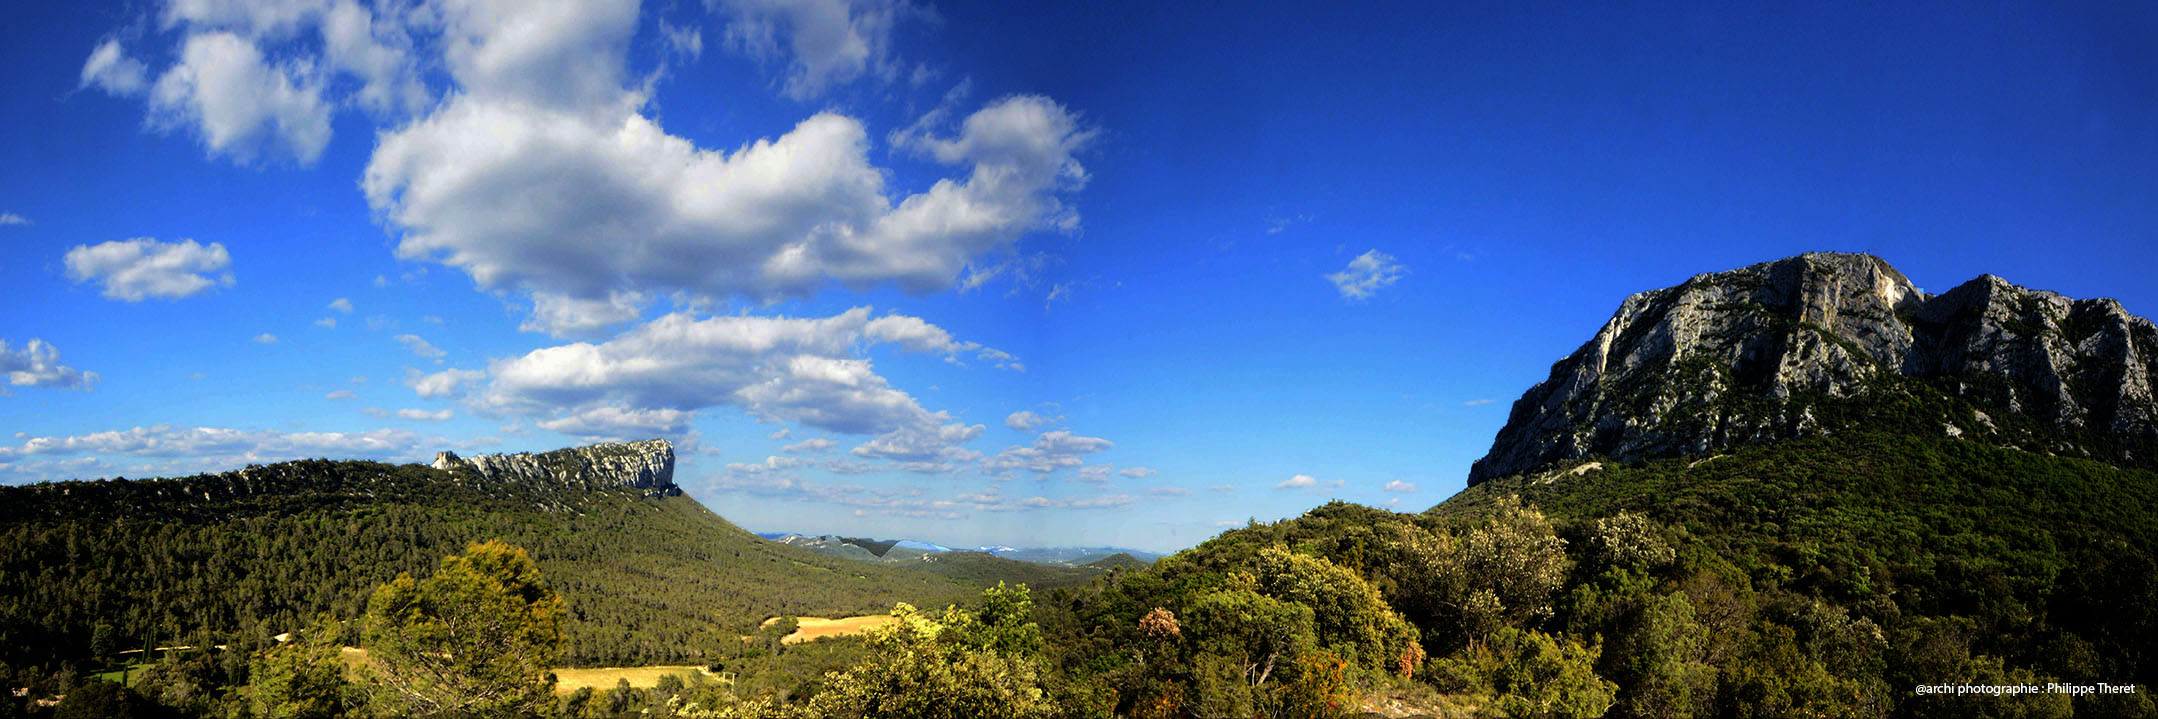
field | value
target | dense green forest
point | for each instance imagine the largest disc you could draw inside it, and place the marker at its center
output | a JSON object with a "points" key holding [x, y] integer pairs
{"points": [[984, 569], [88, 568], [1827, 577]]}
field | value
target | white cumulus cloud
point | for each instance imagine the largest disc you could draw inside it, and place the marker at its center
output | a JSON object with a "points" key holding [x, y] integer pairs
{"points": [[565, 316], [446, 383], [1301, 481], [1400, 486], [802, 370], [238, 104], [144, 268], [585, 209], [553, 53], [1050, 452], [37, 364]]}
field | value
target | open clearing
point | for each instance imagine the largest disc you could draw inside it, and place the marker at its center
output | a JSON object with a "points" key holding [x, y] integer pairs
{"points": [[570, 679], [809, 628], [602, 679]]}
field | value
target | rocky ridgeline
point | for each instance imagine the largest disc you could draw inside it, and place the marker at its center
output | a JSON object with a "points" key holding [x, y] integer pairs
{"points": [[647, 465], [1765, 352]]}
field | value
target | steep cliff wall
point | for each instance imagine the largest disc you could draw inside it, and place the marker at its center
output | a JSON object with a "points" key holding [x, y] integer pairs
{"points": [[1805, 345], [647, 465]]}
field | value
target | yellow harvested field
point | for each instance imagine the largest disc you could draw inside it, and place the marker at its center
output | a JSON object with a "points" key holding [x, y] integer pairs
{"points": [[569, 679], [810, 628], [604, 678]]}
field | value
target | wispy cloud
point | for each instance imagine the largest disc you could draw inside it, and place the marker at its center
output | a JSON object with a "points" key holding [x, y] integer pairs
{"points": [[420, 346], [1366, 274], [197, 449], [811, 445], [1277, 225]]}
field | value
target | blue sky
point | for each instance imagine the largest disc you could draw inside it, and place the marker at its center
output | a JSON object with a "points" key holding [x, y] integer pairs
{"points": [[981, 273]]}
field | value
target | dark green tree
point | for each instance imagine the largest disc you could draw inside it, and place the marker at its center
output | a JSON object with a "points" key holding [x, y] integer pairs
{"points": [[477, 639], [299, 682], [106, 700]]}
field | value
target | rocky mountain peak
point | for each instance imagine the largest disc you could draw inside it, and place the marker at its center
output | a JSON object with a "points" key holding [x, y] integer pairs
{"points": [[1800, 346], [646, 465]]}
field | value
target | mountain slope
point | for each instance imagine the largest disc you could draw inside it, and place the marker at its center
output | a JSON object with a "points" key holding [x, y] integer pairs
{"points": [[1801, 488], [648, 574], [1962, 553], [1810, 345]]}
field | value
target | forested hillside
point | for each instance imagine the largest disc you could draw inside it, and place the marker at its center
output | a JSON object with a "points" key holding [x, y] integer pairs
{"points": [[1824, 577], [93, 567], [1978, 564], [1819, 577]]}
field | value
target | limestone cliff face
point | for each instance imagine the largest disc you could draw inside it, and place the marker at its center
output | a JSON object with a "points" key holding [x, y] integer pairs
{"points": [[1768, 351], [646, 465]]}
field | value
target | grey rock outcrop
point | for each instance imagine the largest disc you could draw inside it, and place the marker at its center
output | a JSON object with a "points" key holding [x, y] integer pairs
{"points": [[1762, 352], [645, 465]]}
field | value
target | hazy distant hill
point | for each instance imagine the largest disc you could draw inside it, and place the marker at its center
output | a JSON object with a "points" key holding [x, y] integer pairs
{"points": [[905, 550], [649, 574], [1119, 560], [968, 566], [1069, 556]]}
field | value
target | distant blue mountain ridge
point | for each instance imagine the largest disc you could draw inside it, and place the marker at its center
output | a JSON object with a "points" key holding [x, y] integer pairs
{"points": [[1038, 555]]}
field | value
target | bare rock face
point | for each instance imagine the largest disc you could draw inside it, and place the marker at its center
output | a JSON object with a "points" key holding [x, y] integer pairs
{"points": [[646, 465], [1776, 350]]}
